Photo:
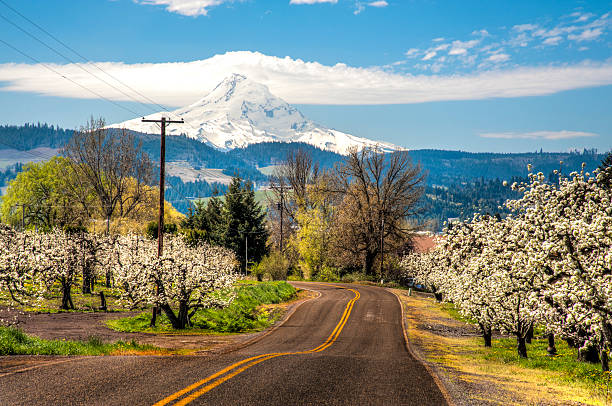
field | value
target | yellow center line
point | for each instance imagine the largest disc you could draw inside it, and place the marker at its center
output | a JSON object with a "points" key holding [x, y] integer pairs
{"points": [[254, 361]]}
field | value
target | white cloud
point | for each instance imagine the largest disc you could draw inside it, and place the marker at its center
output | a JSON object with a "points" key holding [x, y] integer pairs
{"points": [[429, 55], [499, 58], [303, 82], [411, 53], [581, 17], [312, 1], [186, 7], [461, 47], [552, 40], [586, 35], [525, 27], [440, 39], [361, 6], [539, 135], [380, 3]]}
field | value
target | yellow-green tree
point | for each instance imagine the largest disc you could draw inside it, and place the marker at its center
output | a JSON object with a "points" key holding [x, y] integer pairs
{"points": [[313, 239], [40, 198]]}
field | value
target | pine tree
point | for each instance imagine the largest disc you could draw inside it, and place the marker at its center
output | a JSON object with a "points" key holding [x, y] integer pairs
{"points": [[606, 169], [244, 220]]}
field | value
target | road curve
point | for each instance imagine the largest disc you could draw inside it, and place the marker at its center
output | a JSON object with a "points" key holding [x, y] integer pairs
{"points": [[344, 348]]}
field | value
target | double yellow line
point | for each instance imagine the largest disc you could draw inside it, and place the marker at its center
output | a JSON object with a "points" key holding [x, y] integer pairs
{"points": [[229, 372]]}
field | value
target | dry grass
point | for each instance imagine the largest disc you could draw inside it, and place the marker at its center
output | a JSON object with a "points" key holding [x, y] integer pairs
{"points": [[475, 376]]}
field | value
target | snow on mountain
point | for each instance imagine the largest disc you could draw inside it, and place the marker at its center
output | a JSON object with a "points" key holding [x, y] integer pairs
{"points": [[239, 112]]}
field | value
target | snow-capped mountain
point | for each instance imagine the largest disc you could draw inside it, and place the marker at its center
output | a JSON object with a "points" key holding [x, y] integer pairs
{"points": [[239, 112]]}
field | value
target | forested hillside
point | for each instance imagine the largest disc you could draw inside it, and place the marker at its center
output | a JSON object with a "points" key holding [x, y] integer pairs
{"points": [[458, 183]]}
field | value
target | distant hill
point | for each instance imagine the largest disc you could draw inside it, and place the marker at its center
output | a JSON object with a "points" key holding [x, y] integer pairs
{"points": [[459, 183], [448, 167]]}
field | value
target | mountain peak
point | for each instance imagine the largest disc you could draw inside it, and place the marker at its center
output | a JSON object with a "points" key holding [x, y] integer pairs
{"points": [[240, 111]]}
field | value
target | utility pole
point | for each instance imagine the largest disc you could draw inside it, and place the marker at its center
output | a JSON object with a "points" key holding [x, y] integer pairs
{"points": [[281, 209], [162, 168], [246, 253], [382, 244]]}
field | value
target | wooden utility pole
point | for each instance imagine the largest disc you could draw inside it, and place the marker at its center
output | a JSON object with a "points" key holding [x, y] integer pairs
{"points": [[382, 244], [162, 174], [162, 168], [281, 208]]}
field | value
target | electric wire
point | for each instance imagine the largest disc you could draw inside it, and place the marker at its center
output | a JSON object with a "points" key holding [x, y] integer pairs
{"points": [[165, 109], [67, 78], [80, 66], [81, 56]]}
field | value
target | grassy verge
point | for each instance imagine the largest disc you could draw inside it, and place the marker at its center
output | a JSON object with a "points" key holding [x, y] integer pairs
{"points": [[497, 375], [252, 310], [16, 342]]}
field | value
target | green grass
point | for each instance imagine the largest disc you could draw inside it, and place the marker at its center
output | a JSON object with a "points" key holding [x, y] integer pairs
{"points": [[16, 342], [566, 362], [454, 313], [244, 314]]}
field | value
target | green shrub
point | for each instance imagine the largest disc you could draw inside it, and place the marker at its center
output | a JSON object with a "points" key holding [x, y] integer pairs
{"points": [[274, 264], [152, 228], [328, 274]]}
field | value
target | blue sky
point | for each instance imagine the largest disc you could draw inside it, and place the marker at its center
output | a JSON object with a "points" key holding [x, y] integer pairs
{"points": [[471, 75]]}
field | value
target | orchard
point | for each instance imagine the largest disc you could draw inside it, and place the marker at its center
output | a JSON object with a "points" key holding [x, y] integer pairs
{"points": [[187, 277], [547, 265]]}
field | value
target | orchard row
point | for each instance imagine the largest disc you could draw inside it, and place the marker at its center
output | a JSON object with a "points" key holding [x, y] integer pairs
{"points": [[186, 276], [548, 264]]}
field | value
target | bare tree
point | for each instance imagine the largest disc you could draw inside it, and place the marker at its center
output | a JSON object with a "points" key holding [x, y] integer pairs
{"points": [[109, 172], [380, 193], [289, 184], [111, 167]]}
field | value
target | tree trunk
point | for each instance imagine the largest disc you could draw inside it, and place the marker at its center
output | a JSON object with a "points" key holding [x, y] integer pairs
{"points": [[183, 316], [552, 348], [108, 278], [368, 263], [87, 281], [589, 354], [603, 356], [529, 335], [153, 317], [521, 346], [66, 297], [102, 302], [171, 316], [486, 334]]}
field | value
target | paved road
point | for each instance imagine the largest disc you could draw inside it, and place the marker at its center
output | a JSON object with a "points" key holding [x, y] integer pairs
{"points": [[343, 348]]}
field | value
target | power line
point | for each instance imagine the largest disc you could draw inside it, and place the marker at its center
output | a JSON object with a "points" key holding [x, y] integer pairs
{"points": [[67, 78], [161, 106], [71, 60], [81, 56]]}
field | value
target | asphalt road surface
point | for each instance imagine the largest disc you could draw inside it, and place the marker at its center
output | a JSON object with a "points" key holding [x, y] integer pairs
{"points": [[346, 347]]}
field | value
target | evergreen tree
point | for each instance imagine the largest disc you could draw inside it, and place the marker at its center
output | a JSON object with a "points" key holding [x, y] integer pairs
{"points": [[206, 222], [606, 169], [244, 222]]}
